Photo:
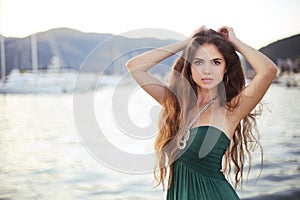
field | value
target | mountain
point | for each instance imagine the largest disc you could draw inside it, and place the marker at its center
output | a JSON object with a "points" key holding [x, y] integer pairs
{"points": [[281, 49], [105, 52], [72, 47], [285, 48]]}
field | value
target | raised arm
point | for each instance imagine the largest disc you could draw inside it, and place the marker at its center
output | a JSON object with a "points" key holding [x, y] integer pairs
{"points": [[265, 70], [138, 67]]}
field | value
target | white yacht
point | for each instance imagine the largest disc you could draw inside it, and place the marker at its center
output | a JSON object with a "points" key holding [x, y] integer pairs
{"points": [[53, 80]]}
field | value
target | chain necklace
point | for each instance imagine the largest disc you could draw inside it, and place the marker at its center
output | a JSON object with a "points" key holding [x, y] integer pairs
{"points": [[182, 143]]}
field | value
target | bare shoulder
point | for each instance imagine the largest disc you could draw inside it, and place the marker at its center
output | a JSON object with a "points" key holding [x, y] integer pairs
{"points": [[230, 123], [224, 120]]}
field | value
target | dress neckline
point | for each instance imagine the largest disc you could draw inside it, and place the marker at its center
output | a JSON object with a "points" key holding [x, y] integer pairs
{"points": [[208, 126]]}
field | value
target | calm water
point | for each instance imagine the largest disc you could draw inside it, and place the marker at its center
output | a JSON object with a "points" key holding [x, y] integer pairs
{"points": [[42, 155]]}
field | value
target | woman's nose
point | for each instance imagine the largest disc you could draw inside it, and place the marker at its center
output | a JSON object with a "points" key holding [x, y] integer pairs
{"points": [[206, 69]]}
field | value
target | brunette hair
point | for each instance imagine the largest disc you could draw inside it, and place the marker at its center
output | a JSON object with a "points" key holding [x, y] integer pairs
{"points": [[181, 97]]}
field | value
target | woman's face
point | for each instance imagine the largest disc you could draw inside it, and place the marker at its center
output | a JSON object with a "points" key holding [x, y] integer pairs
{"points": [[208, 66]]}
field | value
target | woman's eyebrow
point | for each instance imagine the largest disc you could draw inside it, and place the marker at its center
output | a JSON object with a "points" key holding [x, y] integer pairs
{"points": [[198, 59], [211, 59], [217, 59]]}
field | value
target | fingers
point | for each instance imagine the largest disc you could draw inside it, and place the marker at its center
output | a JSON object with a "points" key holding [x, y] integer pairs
{"points": [[203, 28], [228, 33], [221, 29], [225, 29], [224, 32]]}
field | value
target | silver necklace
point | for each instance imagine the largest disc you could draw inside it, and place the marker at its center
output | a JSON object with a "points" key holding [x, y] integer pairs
{"points": [[182, 143]]}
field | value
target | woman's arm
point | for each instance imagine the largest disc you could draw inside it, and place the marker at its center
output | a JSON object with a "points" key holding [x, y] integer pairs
{"points": [[265, 70], [138, 67]]}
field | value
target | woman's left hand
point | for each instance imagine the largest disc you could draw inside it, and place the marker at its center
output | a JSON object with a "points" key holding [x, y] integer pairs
{"points": [[229, 34]]}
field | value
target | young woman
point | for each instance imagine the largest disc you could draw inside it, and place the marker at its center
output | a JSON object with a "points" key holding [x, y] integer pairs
{"points": [[207, 111]]}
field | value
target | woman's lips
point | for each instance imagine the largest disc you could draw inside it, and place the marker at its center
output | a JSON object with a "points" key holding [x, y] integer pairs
{"points": [[207, 80]]}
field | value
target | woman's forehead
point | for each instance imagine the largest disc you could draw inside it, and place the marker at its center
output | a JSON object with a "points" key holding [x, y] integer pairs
{"points": [[208, 51]]}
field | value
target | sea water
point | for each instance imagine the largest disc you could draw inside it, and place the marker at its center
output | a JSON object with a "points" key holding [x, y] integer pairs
{"points": [[44, 153]]}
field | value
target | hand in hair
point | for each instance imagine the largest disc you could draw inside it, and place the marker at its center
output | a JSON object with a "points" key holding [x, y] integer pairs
{"points": [[201, 28], [229, 34]]}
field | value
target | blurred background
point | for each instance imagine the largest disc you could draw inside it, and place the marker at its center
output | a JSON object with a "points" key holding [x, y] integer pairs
{"points": [[46, 44]]}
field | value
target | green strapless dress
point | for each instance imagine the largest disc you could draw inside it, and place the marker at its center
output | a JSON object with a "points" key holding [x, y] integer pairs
{"points": [[197, 171]]}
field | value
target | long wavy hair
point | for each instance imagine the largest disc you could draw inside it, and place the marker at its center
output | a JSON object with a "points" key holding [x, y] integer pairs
{"points": [[181, 97]]}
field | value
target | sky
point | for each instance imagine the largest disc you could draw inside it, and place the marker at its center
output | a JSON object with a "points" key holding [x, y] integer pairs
{"points": [[256, 22]]}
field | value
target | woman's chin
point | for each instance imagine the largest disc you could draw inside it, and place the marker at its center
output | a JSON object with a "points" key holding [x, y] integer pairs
{"points": [[209, 86]]}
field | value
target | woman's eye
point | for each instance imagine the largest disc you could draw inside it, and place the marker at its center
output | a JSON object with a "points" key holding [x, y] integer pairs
{"points": [[197, 62], [215, 62]]}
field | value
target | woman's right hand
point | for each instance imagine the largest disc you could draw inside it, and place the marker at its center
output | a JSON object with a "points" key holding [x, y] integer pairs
{"points": [[201, 28]]}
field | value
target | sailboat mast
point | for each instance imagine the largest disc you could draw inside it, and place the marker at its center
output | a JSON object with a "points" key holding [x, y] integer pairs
{"points": [[3, 71], [34, 54]]}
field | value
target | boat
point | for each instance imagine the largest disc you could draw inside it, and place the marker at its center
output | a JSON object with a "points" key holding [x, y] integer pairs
{"points": [[41, 82], [55, 79], [289, 80]]}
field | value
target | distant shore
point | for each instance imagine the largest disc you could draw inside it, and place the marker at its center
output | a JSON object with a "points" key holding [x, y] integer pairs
{"points": [[289, 79]]}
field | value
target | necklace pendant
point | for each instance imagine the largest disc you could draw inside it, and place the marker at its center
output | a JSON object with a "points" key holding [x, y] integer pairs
{"points": [[181, 144], [184, 139]]}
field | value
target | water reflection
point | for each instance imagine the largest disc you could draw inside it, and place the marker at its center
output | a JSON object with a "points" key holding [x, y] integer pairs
{"points": [[42, 156]]}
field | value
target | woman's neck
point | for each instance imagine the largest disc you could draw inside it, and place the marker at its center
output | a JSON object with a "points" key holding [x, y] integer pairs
{"points": [[205, 95]]}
